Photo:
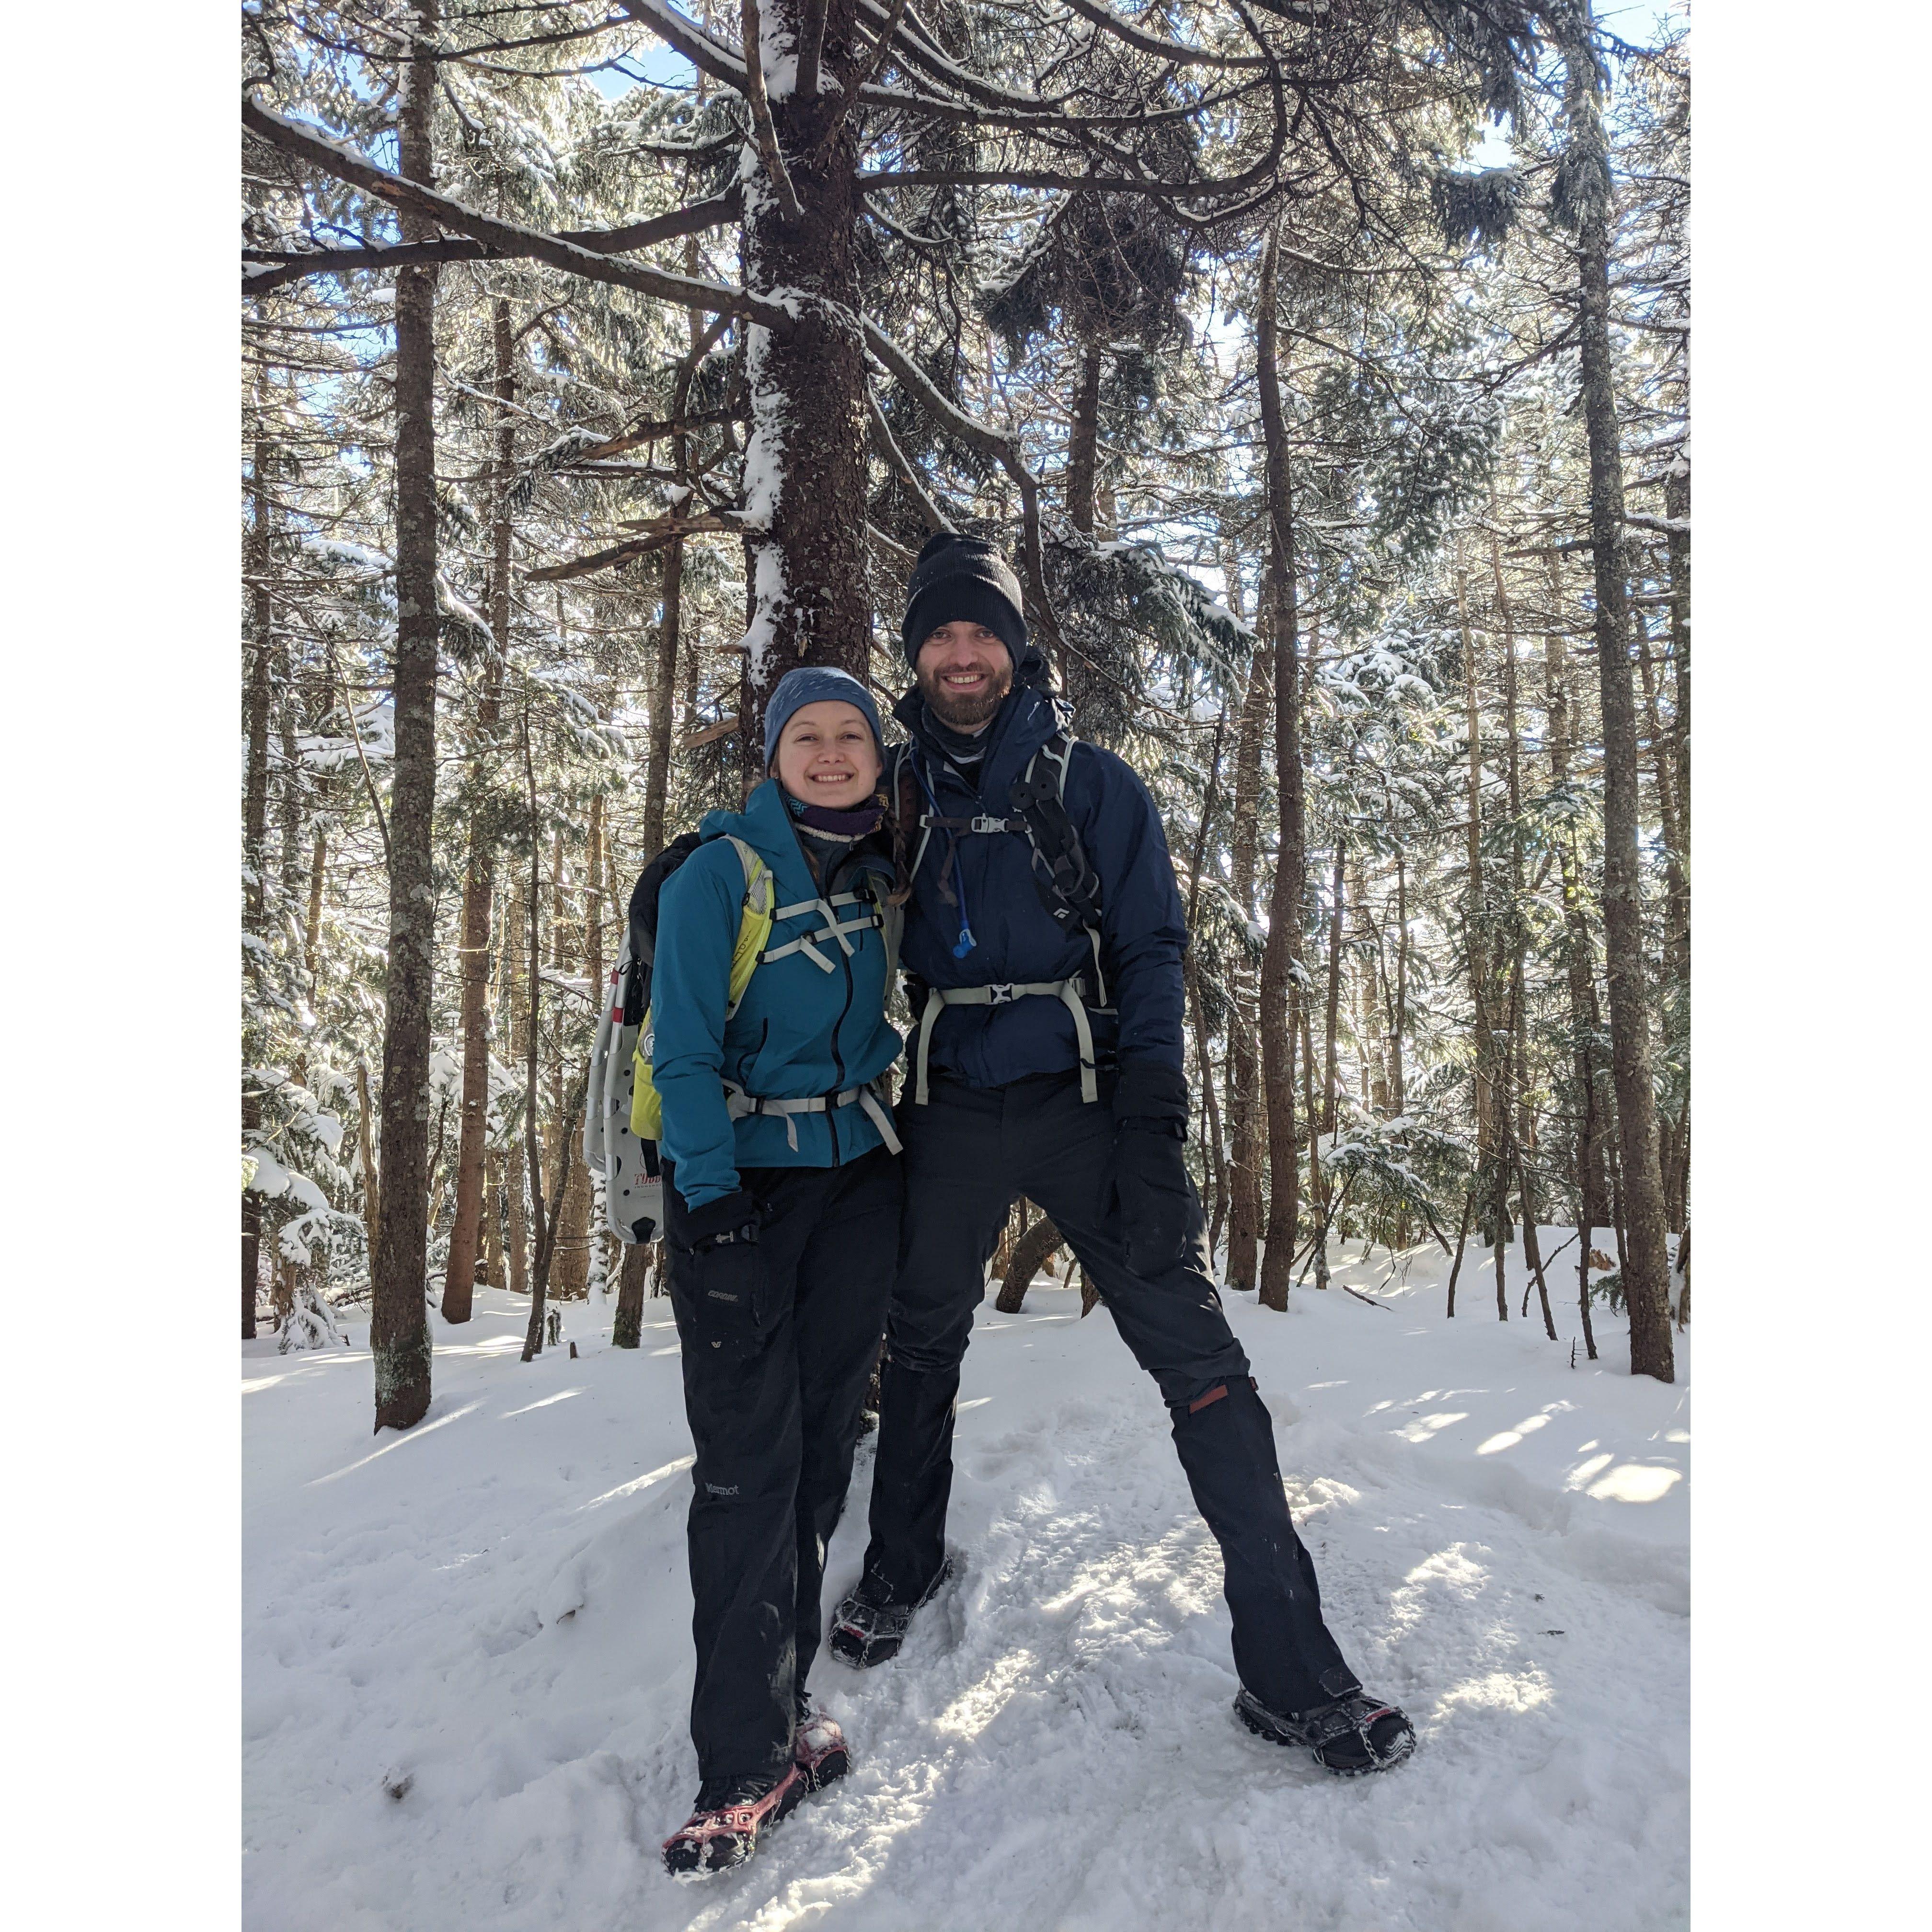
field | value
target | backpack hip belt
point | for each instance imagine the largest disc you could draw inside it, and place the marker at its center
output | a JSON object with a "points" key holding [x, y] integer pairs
{"points": [[741, 1105], [1074, 993]]}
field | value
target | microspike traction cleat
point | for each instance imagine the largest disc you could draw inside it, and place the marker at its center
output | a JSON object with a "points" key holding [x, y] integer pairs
{"points": [[1352, 1735], [866, 1630], [715, 1840], [819, 1750]]}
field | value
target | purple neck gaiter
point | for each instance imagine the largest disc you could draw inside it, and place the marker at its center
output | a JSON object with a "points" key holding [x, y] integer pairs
{"points": [[858, 823]]}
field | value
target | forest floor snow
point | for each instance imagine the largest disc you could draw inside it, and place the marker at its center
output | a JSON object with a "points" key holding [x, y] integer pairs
{"points": [[467, 1656]]}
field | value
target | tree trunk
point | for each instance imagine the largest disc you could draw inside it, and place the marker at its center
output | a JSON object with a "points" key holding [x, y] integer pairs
{"points": [[1083, 441], [533, 1159], [1244, 1116], [805, 464], [1191, 977], [1399, 1022], [1579, 954], [1512, 1049], [1290, 889], [1532, 1254], [515, 1003], [479, 879], [1083, 451], [1646, 1283], [1031, 1252], [254, 851], [490, 1269], [1475, 919], [398, 1330], [627, 1329], [1332, 1018], [1677, 509], [1210, 1104], [664, 690]]}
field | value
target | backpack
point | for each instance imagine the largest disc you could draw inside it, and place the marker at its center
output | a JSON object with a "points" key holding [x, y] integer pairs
{"points": [[623, 1117], [1064, 877], [1068, 885], [623, 1114]]}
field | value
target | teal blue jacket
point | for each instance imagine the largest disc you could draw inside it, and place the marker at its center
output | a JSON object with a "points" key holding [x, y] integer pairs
{"points": [[801, 1030]]}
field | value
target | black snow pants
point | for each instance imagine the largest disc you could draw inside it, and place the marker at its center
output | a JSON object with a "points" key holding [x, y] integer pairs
{"points": [[970, 1152], [774, 1434]]}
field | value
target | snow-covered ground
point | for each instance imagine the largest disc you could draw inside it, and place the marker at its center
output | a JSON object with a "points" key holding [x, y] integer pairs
{"points": [[467, 1657]]}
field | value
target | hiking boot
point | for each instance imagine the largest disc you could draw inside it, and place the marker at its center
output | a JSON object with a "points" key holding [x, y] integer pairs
{"points": [[868, 1627], [818, 1748], [724, 1830], [1351, 1735]]}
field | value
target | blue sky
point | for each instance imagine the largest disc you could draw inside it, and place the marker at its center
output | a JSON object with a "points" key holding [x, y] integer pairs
{"points": [[1640, 21]]}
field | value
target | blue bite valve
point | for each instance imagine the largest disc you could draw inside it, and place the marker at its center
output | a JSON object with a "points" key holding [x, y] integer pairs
{"points": [[966, 943]]}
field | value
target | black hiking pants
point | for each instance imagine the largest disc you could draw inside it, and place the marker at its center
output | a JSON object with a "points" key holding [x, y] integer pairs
{"points": [[774, 1435], [970, 1152]]}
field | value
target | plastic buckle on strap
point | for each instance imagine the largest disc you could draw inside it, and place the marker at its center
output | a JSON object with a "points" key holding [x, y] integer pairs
{"points": [[982, 822], [1002, 996]]}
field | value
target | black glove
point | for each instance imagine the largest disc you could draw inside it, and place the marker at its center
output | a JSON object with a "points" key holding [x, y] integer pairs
{"points": [[719, 1267], [1154, 1198]]}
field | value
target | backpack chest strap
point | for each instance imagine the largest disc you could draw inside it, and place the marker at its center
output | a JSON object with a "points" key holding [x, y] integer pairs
{"points": [[834, 928], [980, 822]]}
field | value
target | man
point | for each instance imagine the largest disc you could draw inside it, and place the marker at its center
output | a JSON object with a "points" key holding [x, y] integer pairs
{"points": [[1043, 944]]}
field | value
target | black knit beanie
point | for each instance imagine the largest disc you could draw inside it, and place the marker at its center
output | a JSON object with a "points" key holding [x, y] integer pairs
{"points": [[963, 580]]}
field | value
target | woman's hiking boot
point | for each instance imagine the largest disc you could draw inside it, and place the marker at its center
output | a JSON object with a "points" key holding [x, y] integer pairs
{"points": [[724, 1829], [1351, 1735], [867, 1628]]}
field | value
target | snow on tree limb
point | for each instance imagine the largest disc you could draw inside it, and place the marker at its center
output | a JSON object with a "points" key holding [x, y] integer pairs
{"points": [[280, 266], [304, 144]]}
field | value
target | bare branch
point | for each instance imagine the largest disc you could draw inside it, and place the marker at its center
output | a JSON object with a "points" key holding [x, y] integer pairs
{"points": [[710, 298], [976, 436], [936, 519], [290, 265], [1180, 54], [863, 73], [687, 37], [656, 535]]}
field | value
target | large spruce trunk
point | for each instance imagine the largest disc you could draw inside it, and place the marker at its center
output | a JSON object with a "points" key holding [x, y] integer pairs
{"points": [[1285, 902], [1646, 1260], [398, 1327], [805, 466], [480, 877]]}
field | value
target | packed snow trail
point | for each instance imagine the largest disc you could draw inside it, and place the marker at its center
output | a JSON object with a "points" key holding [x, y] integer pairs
{"points": [[467, 1656]]}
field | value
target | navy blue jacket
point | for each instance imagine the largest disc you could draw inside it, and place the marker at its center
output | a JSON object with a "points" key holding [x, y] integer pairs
{"points": [[1143, 927], [800, 1031]]}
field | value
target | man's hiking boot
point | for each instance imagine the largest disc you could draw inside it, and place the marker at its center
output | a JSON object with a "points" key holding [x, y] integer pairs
{"points": [[867, 1628], [1352, 1735], [724, 1830], [818, 1750]]}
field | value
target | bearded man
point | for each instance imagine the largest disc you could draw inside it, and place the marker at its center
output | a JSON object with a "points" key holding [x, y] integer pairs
{"points": [[1043, 947]]}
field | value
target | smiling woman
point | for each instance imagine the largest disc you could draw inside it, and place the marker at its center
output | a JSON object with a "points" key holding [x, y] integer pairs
{"points": [[827, 755]]}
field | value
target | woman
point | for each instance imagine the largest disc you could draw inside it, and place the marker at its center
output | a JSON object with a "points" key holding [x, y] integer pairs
{"points": [[781, 1207]]}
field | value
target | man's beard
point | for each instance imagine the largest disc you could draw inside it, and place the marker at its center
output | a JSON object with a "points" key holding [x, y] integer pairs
{"points": [[970, 711]]}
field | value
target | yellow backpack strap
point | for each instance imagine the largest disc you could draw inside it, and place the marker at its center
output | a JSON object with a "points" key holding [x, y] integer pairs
{"points": [[754, 921]]}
